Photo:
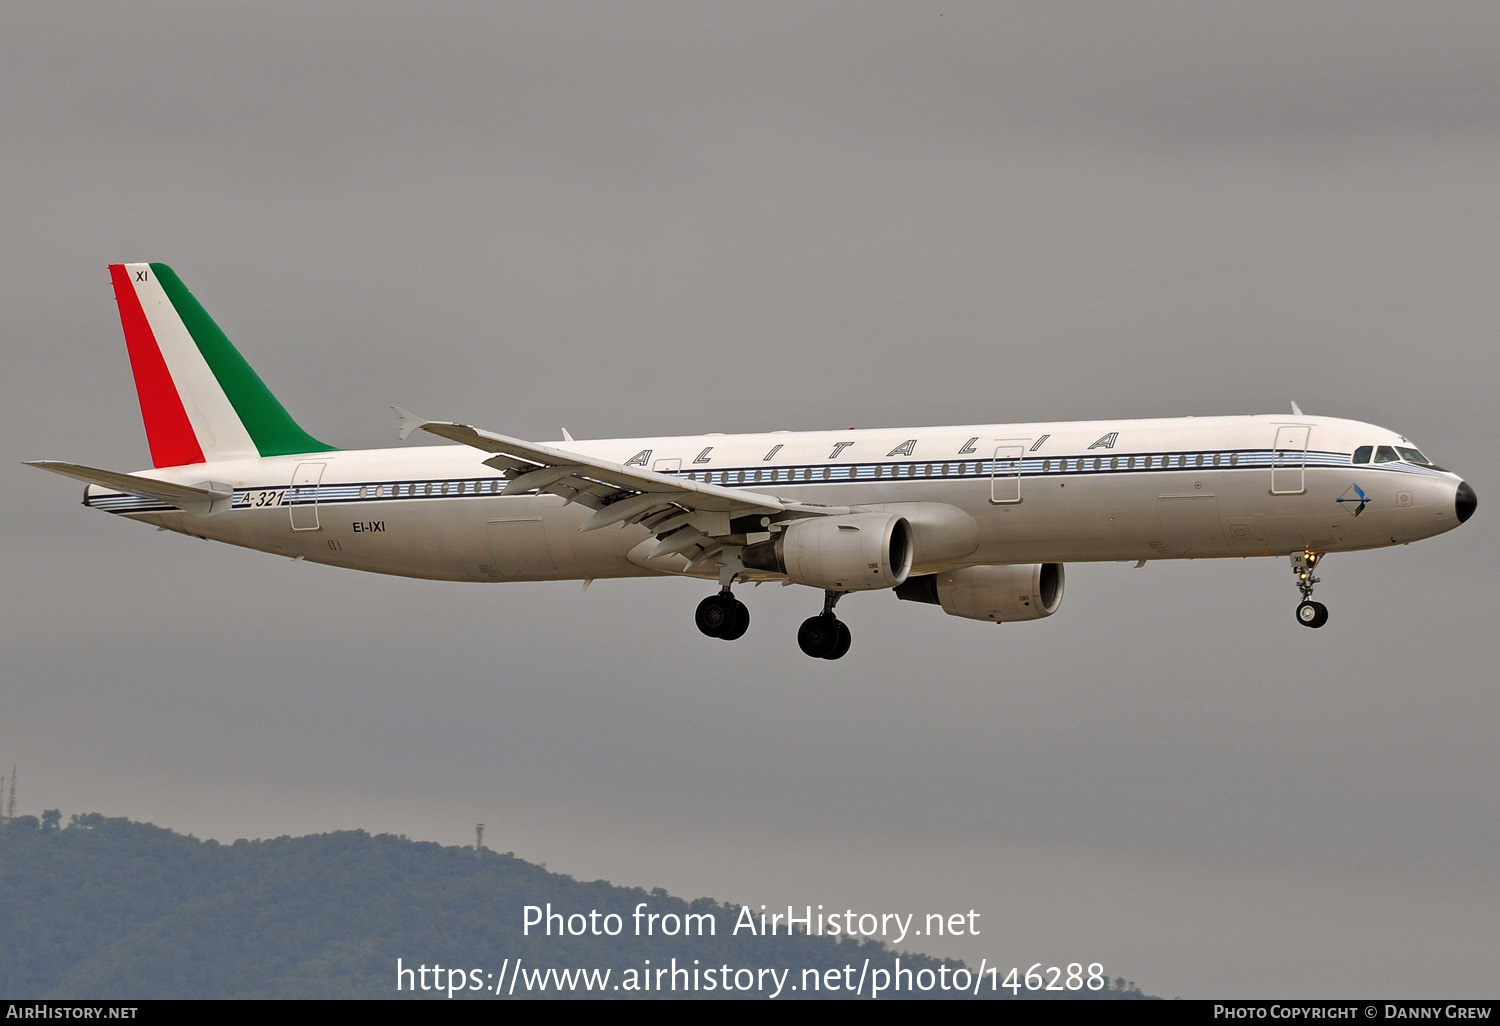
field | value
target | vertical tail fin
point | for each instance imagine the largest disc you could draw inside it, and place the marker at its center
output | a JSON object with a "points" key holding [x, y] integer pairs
{"points": [[200, 400]]}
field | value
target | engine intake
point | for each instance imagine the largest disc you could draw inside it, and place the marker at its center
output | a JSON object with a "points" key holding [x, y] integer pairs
{"points": [[998, 594], [858, 552]]}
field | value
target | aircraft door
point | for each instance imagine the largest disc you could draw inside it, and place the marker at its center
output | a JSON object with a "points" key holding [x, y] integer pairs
{"points": [[1289, 462], [1005, 472], [302, 497]]}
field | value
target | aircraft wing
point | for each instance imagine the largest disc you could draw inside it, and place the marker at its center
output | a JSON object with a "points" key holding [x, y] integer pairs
{"points": [[665, 503]]}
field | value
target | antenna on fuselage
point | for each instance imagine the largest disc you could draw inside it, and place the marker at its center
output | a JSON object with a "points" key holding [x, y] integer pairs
{"points": [[1296, 412]]}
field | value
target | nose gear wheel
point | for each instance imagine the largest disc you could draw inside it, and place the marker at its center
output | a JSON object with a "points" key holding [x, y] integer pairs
{"points": [[1309, 613]]}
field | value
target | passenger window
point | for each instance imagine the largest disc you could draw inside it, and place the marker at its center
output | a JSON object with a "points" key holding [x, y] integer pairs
{"points": [[1362, 454], [1234, 459]]}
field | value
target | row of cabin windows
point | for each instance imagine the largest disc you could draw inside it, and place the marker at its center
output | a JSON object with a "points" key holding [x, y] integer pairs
{"points": [[908, 470], [493, 486], [488, 486], [1182, 460], [863, 472]]}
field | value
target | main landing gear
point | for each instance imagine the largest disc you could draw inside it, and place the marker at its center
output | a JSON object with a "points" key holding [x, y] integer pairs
{"points": [[1309, 613], [723, 616], [825, 636]]}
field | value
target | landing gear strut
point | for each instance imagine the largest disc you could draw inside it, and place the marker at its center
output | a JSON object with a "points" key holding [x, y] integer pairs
{"points": [[1309, 613], [825, 636], [723, 616]]}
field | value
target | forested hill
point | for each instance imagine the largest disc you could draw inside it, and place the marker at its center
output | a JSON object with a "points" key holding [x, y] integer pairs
{"points": [[108, 908]]}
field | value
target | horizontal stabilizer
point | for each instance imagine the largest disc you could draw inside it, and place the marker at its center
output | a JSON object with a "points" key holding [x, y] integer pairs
{"points": [[201, 500]]}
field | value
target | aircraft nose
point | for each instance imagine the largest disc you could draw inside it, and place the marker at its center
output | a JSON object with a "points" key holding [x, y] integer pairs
{"points": [[1465, 502]]}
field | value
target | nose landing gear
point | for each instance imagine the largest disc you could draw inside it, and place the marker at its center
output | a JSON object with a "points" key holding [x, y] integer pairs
{"points": [[1309, 613]]}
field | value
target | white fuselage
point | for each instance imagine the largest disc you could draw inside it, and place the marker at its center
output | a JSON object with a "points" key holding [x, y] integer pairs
{"points": [[1066, 492]]}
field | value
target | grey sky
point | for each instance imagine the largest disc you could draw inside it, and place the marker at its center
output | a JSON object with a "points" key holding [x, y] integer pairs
{"points": [[635, 219]]}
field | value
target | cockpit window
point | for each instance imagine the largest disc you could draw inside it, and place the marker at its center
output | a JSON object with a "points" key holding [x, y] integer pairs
{"points": [[1386, 454], [1362, 454], [1412, 455]]}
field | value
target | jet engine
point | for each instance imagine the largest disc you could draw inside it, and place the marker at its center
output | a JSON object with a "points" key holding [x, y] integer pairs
{"points": [[999, 594], [857, 552]]}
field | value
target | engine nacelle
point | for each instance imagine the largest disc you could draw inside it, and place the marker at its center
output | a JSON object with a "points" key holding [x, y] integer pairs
{"points": [[858, 552], [997, 594]]}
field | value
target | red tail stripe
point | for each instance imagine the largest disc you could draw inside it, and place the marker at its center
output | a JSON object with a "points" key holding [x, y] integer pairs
{"points": [[168, 430]]}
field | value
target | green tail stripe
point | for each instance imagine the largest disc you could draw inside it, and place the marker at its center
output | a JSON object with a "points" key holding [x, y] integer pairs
{"points": [[273, 430]]}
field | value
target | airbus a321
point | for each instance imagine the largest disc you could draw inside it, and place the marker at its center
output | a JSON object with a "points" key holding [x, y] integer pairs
{"points": [[978, 520]]}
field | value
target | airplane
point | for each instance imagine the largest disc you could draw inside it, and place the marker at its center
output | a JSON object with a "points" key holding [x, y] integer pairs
{"points": [[978, 520]]}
